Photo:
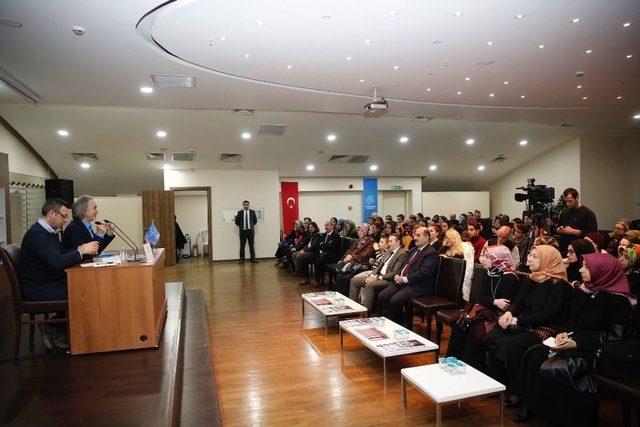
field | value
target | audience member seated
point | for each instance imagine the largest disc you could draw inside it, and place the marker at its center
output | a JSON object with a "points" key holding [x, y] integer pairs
{"points": [[576, 221], [305, 223], [355, 260], [521, 239], [284, 244], [540, 304], [407, 237], [435, 236], [80, 230], [349, 230], [416, 279], [43, 261], [619, 230], [389, 228], [452, 244], [328, 253], [561, 385], [366, 285], [474, 229], [505, 237], [575, 251], [306, 256], [375, 231], [546, 240], [630, 262], [445, 225], [496, 295], [300, 241]]}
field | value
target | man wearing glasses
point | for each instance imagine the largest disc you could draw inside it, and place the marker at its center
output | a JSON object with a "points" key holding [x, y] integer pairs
{"points": [[43, 261]]}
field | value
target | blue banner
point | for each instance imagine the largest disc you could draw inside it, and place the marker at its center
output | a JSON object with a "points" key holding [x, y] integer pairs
{"points": [[369, 197]]}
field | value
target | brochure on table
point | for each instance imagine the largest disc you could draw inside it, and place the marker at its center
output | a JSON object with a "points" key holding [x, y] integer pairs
{"points": [[325, 302]]}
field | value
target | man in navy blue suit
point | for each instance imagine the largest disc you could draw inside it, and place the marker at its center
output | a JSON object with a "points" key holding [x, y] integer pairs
{"points": [[416, 279], [43, 261], [80, 230]]}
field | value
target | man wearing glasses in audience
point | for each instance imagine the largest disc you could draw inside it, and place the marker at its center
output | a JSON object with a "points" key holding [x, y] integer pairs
{"points": [[43, 261]]}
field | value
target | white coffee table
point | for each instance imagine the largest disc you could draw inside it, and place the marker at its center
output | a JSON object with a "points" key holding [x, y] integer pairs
{"points": [[442, 387], [318, 300], [386, 347]]}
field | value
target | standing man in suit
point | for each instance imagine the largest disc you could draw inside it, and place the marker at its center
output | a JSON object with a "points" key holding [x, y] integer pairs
{"points": [[246, 221], [80, 230], [43, 261], [329, 251], [416, 279], [372, 282]]}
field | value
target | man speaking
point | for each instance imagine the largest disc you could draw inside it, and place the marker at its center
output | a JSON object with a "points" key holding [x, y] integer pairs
{"points": [[246, 221]]}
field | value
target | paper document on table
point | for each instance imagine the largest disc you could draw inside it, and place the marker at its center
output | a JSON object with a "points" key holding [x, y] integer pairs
{"points": [[101, 264]]}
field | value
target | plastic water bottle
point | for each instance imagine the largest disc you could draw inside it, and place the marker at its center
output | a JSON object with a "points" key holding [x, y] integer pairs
{"points": [[123, 255]]}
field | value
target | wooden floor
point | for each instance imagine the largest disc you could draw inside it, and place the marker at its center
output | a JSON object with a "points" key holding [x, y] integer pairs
{"points": [[274, 367]]}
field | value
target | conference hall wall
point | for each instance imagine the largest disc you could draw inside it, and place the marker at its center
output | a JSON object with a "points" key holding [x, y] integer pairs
{"points": [[457, 202]]}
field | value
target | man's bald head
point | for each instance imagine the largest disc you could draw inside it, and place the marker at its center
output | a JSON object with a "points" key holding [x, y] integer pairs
{"points": [[504, 233]]}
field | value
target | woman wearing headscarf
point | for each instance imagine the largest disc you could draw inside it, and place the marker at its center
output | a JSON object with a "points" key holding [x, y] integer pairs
{"points": [[630, 261], [349, 230], [355, 260], [562, 385], [340, 225], [539, 304], [497, 293], [575, 251]]}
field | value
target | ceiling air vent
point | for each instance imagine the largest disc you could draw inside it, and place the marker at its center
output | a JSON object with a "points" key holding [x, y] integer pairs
{"points": [[183, 157], [566, 125], [338, 158], [348, 158], [358, 159], [84, 156], [242, 112], [231, 157], [500, 158], [155, 156], [269, 129], [172, 81], [421, 119]]}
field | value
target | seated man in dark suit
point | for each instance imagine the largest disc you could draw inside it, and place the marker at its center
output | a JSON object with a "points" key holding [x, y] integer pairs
{"points": [[80, 231], [43, 261], [329, 251], [417, 279]]}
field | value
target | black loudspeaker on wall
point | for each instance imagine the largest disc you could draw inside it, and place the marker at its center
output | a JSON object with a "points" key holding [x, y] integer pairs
{"points": [[62, 188]]}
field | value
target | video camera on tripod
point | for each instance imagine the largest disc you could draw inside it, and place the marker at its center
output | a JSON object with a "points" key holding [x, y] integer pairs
{"points": [[536, 196]]}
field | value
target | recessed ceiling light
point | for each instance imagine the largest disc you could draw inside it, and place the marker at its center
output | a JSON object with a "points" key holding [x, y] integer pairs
{"points": [[636, 116], [259, 23], [433, 167], [524, 142], [85, 165], [166, 166], [10, 23], [490, 43], [470, 141], [289, 67], [325, 17], [626, 24], [393, 13], [146, 89], [63, 132], [223, 39], [349, 58], [467, 78], [395, 67], [491, 95], [367, 41], [404, 139], [331, 137], [361, 80], [584, 98], [310, 167], [373, 167], [246, 55], [618, 97], [505, 82], [540, 46], [457, 13], [522, 97], [459, 92], [245, 135], [519, 16], [428, 89], [588, 51], [481, 167], [437, 42], [579, 87], [575, 20], [161, 134], [629, 56]]}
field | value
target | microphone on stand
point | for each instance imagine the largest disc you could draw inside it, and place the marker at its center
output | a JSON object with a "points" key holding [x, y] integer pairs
{"points": [[125, 238]]}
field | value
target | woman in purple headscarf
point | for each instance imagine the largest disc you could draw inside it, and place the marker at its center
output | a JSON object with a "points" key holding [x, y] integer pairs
{"points": [[561, 385]]}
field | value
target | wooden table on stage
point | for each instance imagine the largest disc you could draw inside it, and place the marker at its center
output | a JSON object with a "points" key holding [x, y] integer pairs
{"points": [[116, 308]]}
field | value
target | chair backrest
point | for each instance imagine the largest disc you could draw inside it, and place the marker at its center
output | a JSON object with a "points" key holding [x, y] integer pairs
{"points": [[10, 257], [479, 277], [450, 278], [346, 243]]}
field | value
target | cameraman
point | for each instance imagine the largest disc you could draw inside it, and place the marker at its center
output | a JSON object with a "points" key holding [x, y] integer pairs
{"points": [[576, 221]]}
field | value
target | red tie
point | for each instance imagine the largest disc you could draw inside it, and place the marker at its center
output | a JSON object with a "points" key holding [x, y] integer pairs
{"points": [[405, 270]]}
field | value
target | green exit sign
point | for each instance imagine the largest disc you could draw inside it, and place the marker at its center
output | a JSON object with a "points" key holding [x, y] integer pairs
{"points": [[397, 187]]}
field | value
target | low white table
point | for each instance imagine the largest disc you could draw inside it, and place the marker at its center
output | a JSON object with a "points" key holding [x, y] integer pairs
{"points": [[324, 302], [385, 347], [442, 387]]}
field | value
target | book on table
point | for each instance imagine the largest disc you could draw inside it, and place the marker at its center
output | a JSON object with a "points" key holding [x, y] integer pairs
{"points": [[322, 301], [372, 333]]}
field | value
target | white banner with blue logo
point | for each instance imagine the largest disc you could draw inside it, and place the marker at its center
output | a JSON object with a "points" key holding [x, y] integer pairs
{"points": [[369, 197]]}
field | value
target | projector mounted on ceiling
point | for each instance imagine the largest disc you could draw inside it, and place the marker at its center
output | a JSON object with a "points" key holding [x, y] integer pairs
{"points": [[379, 104]]}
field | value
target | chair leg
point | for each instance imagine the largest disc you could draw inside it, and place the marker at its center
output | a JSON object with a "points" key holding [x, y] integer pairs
{"points": [[16, 336], [439, 331], [429, 326], [626, 414], [32, 326]]}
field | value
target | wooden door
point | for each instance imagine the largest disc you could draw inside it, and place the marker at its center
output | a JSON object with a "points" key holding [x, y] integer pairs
{"points": [[158, 206]]}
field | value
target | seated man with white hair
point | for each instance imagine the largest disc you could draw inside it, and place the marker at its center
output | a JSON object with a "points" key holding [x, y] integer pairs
{"points": [[80, 230]]}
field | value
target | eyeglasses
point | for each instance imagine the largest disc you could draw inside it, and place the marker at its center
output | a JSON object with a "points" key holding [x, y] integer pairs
{"points": [[65, 216]]}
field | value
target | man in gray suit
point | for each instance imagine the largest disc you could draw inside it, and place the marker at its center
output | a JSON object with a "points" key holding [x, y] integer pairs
{"points": [[374, 281]]}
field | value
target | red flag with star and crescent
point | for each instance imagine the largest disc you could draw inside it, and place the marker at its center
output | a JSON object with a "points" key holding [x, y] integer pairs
{"points": [[289, 194]]}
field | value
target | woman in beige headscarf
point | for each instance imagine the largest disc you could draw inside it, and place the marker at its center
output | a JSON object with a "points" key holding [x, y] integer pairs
{"points": [[540, 303]]}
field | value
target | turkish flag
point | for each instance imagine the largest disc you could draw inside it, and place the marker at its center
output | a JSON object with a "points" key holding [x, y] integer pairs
{"points": [[289, 194]]}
